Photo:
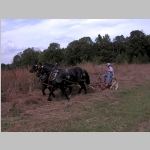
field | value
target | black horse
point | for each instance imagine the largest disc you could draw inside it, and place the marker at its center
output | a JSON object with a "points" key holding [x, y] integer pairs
{"points": [[63, 78], [43, 77], [44, 80]]}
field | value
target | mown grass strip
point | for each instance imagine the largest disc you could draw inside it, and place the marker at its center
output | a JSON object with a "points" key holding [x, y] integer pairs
{"points": [[123, 115]]}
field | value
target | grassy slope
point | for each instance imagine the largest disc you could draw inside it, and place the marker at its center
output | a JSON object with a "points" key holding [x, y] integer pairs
{"points": [[123, 113]]}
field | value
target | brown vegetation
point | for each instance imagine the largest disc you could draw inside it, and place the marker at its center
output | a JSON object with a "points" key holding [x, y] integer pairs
{"points": [[24, 108]]}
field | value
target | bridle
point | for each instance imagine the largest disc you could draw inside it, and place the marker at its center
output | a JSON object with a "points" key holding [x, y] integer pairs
{"points": [[38, 69]]}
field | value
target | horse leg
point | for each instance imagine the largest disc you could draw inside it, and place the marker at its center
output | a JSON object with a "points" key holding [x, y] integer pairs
{"points": [[80, 90], [82, 87], [51, 93], [70, 91], [43, 89], [64, 92]]}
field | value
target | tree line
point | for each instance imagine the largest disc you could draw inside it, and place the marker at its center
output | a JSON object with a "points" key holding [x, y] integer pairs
{"points": [[132, 49]]}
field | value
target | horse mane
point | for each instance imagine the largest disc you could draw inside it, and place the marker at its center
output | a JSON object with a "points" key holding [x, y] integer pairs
{"points": [[49, 67]]}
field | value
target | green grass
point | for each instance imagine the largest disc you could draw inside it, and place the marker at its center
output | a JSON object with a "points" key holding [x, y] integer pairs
{"points": [[128, 109]]}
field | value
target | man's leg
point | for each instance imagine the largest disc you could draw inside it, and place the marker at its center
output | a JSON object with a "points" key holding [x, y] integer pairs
{"points": [[108, 80], [104, 77]]}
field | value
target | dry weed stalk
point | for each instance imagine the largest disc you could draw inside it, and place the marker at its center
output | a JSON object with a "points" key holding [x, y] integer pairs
{"points": [[17, 81]]}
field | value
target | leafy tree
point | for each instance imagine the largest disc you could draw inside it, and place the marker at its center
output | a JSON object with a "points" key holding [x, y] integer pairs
{"points": [[29, 56], [137, 42], [25, 58], [118, 42], [73, 55], [119, 59], [105, 48], [86, 49], [53, 54], [98, 40], [145, 59], [86, 40], [135, 60], [5, 66], [139, 58], [17, 60], [42, 57], [147, 45], [54, 46]]}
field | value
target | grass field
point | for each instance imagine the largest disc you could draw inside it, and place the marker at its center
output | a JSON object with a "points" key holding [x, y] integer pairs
{"points": [[128, 111], [24, 109]]}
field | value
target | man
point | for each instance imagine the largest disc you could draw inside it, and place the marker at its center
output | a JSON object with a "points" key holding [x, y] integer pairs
{"points": [[107, 77]]}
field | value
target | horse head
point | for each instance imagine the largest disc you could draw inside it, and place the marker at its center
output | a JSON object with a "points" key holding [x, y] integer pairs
{"points": [[36, 67]]}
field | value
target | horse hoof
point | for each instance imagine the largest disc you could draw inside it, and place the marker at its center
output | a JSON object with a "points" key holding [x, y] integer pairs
{"points": [[69, 96], [49, 99], [53, 95]]}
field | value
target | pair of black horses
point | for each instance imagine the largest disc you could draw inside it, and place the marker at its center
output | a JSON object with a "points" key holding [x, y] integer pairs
{"points": [[57, 78]]}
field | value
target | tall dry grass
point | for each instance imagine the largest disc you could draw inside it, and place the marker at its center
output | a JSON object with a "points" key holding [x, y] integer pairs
{"points": [[17, 81]]}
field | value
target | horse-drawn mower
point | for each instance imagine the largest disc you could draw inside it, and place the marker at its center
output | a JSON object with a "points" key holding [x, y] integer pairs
{"points": [[99, 84]]}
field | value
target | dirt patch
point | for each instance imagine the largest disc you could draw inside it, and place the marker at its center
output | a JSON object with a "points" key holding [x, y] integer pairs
{"points": [[143, 127]]}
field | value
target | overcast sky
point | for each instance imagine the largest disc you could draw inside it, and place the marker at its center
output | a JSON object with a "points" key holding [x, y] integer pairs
{"points": [[20, 34]]}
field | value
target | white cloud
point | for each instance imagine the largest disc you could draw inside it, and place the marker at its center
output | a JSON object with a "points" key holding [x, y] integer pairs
{"points": [[6, 59], [3, 23]]}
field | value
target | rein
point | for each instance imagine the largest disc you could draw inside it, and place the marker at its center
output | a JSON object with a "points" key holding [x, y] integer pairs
{"points": [[40, 78], [47, 84]]}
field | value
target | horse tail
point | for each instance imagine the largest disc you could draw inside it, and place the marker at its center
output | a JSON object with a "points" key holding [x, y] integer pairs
{"points": [[87, 77]]}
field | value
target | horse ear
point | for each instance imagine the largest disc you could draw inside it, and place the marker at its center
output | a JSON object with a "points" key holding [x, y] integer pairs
{"points": [[40, 63], [35, 62]]}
